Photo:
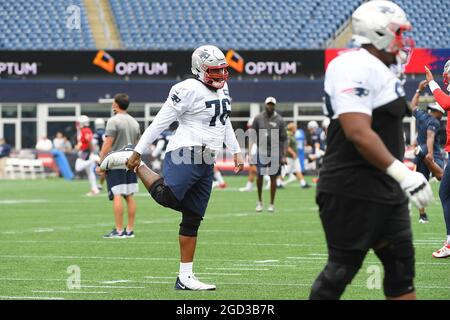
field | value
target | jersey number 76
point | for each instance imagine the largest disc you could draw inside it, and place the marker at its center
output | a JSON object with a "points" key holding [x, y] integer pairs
{"points": [[217, 106]]}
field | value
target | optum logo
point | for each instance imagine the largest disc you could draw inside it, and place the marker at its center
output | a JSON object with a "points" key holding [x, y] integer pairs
{"points": [[271, 67], [18, 68]]}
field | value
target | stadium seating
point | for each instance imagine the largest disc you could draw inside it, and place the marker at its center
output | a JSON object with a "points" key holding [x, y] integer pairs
{"points": [[186, 24], [42, 24], [245, 25], [430, 20]]}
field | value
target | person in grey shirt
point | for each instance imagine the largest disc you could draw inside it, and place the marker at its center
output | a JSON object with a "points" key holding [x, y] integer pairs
{"points": [[121, 130], [271, 139]]}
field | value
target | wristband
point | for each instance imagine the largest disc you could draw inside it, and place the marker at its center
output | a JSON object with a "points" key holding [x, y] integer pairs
{"points": [[433, 85], [398, 171]]}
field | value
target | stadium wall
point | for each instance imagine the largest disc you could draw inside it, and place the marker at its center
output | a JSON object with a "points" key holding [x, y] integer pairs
{"points": [[59, 91]]}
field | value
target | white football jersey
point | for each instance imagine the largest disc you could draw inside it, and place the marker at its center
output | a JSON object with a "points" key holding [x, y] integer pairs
{"points": [[203, 116], [357, 81]]}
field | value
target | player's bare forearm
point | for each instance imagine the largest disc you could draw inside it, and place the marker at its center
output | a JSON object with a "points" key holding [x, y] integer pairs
{"points": [[435, 170], [357, 129], [106, 147], [238, 162], [415, 99], [292, 152]]}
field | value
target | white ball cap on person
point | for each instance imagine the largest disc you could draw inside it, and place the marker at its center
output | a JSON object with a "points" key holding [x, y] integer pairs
{"points": [[271, 100], [435, 106]]}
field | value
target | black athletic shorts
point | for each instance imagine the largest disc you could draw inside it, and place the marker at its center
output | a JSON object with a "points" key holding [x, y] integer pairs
{"points": [[358, 225]]}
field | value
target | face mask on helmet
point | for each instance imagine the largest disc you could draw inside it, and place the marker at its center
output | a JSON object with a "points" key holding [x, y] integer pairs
{"points": [[215, 76], [400, 45], [446, 75]]}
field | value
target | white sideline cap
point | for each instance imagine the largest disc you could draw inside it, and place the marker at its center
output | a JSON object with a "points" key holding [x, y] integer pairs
{"points": [[436, 107], [271, 100]]}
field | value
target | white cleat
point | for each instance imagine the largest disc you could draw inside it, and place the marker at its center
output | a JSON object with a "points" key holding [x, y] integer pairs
{"points": [[271, 208], [116, 160], [190, 282], [444, 252], [259, 207], [245, 189]]}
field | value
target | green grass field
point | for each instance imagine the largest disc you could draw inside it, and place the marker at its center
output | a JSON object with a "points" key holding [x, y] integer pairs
{"points": [[49, 225]]}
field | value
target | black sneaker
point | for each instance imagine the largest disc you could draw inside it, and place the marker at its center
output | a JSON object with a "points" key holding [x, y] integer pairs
{"points": [[423, 218], [129, 234], [115, 234], [306, 186]]}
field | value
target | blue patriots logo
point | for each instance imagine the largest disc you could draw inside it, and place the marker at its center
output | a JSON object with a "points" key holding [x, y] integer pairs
{"points": [[175, 98], [385, 10], [358, 91], [204, 55]]}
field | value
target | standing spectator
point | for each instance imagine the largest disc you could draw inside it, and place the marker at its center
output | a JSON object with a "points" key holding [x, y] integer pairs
{"points": [[121, 130], [271, 136], [5, 150], [251, 157]]}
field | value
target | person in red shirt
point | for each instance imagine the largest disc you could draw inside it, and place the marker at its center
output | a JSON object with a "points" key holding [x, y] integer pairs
{"points": [[86, 158], [444, 190]]}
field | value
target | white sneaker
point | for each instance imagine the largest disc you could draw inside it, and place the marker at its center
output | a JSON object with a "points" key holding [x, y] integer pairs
{"points": [[271, 208], [245, 189], [93, 193], [259, 207], [116, 160], [190, 282], [444, 252]]}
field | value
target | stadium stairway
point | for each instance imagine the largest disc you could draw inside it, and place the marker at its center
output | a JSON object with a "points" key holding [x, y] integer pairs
{"points": [[102, 23], [344, 37]]}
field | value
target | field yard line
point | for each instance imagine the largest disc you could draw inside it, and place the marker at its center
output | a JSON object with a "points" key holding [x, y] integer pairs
{"points": [[172, 242], [114, 281], [304, 259], [113, 287], [32, 298], [153, 277], [23, 201], [69, 291], [267, 265], [250, 269], [219, 274], [84, 257]]}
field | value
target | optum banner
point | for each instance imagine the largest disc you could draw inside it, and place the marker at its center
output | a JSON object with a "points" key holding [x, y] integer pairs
{"points": [[154, 64]]}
